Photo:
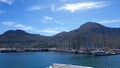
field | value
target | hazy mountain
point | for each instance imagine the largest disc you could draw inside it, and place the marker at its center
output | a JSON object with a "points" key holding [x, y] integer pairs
{"points": [[90, 34]]}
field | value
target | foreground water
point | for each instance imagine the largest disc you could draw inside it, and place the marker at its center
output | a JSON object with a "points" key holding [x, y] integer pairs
{"points": [[44, 59]]}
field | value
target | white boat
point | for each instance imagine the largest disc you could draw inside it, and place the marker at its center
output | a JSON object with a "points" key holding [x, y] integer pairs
{"points": [[56, 65]]}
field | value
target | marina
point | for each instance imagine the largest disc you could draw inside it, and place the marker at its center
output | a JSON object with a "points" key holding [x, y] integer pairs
{"points": [[59, 34]]}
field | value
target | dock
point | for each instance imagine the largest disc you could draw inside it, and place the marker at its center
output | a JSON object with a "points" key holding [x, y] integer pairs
{"points": [[56, 65]]}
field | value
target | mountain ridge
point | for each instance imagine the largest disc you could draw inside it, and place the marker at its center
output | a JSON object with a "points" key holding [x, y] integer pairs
{"points": [[94, 34]]}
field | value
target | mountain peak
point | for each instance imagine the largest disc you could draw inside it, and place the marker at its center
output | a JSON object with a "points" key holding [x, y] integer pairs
{"points": [[14, 32], [90, 25]]}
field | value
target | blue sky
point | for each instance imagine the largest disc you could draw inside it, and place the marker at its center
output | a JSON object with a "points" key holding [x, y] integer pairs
{"points": [[49, 17]]}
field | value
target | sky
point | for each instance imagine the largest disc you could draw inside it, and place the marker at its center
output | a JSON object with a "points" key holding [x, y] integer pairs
{"points": [[49, 17]]}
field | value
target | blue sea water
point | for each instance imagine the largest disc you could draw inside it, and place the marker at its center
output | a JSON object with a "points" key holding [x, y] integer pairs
{"points": [[45, 59]]}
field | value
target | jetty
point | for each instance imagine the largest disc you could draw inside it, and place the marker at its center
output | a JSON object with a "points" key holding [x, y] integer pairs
{"points": [[57, 65]]}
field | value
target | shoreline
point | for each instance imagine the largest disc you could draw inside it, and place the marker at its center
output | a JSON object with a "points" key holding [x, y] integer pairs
{"points": [[96, 52]]}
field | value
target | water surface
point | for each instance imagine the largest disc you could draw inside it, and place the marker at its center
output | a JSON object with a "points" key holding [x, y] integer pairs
{"points": [[44, 59]]}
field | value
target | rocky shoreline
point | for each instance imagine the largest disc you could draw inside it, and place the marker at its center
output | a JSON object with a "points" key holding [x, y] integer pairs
{"points": [[96, 52]]}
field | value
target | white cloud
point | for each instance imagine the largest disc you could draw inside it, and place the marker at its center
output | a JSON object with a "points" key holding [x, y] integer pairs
{"points": [[24, 27], [2, 12], [47, 19], [110, 21], [8, 23], [83, 6], [49, 31], [7, 1], [18, 26], [53, 30], [34, 8]]}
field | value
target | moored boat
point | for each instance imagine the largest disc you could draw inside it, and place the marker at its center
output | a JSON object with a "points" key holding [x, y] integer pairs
{"points": [[101, 53]]}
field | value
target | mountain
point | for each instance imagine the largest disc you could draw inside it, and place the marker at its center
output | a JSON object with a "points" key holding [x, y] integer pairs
{"points": [[20, 38], [18, 35], [91, 25], [90, 34]]}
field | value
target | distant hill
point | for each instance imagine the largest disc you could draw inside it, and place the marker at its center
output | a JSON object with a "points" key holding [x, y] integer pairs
{"points": [[90, 34], [20, 38]]}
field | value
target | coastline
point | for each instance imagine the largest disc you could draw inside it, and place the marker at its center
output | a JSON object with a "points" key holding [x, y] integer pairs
{"points": [[96, 52]]}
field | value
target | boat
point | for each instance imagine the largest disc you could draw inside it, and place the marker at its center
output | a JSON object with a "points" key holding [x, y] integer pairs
{"points": [[57, 65], [101, 53]]}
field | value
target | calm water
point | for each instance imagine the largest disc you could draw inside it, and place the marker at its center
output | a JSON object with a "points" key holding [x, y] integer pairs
{"points": [[44, 59]]}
